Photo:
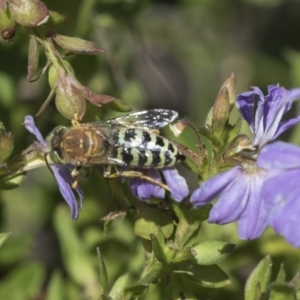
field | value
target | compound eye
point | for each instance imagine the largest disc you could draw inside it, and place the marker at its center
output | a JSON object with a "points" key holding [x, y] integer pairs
{"points": [[55, 157]]}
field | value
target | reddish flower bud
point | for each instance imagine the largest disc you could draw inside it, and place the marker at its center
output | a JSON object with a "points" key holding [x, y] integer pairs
{"points": [[241, 144], [230, 84], [69, 99], [7, 23], [221, 110], [31, 13]]}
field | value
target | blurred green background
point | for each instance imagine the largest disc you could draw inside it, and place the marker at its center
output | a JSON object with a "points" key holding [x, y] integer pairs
{"points": [[158, 54]]}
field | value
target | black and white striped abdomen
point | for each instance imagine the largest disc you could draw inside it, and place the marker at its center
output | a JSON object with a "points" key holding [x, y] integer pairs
{"points": [[140, 148]]}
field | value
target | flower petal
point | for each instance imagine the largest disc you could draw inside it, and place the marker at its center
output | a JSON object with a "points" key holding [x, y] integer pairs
{"points": [[144, 189], [284, 218], [265, 122], [66, 171], [294, 94], [246, 105], [273, 110], [66, 190], [253, 220], [278, 186], [231, 203], [285, 125], [279, 155], [30, 126], [212, 187], [176, 183]]}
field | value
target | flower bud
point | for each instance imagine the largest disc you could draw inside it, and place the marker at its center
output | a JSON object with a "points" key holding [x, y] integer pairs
{"points": [[221, 110], [71, 96], [69, 99], [53, 74], [7, 23], [6, 144], [31, 13], [241, 145], [230, 84]]}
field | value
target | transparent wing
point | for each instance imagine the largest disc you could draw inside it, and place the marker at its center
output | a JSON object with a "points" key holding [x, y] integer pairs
{"points": [[153, 118]]}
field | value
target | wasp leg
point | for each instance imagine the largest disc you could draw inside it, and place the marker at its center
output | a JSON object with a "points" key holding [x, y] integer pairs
{"points": [[76, 174], [75, 121], [136, 174], [156, 131], [108, 173]]}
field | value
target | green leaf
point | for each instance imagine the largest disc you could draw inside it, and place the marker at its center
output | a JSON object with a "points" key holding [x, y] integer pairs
{"points": [[260, 276], [76, 45], [135, 291], [149, 220], [33, 57], [189, 223], [118, 105], [158, 250], [107, 101], [55, 18], [281, 276], [117, 290], [211, 252], [282, 291], [295, 282], [76, 259], [55, 290], [3, 237], [298, 294], [234, 130], [103, 273], [13, 182], [15, 249], [23, 282], [202, 276], [160, 237], [181, 290]]}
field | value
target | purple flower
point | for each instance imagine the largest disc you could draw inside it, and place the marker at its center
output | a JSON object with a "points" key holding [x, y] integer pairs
{"points": [[144, 189], [264, 114], [62, 173], [281, 193], [239, 189]]}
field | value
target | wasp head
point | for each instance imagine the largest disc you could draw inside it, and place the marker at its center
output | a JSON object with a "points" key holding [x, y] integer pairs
{"points": [[54, 140]]}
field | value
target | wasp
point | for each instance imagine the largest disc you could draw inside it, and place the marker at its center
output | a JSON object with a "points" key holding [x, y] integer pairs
{"points": [[131, 140]]}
